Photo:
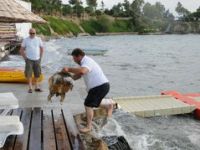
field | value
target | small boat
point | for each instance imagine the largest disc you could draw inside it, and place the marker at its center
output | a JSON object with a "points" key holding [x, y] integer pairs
{"points": [[90, 51], [14, 75]]}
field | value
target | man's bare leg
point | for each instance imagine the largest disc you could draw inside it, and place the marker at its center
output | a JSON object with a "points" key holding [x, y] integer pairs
{"points": [[36, 83], [89, 114], [30, 83], [108, 104]]}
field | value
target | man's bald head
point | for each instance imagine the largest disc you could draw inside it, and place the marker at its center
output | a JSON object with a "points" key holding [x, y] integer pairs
{"points": [[32, 32]]}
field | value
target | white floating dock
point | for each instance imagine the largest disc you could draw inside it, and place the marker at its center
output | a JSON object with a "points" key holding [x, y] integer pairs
{"points": [[149, 106]]}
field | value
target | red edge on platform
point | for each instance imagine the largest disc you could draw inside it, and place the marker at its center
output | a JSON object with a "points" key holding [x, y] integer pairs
{"points": [[186, 98]]}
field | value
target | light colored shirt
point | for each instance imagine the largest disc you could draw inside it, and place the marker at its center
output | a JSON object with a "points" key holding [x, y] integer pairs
{"points": [[95, 77], [32, 47]]}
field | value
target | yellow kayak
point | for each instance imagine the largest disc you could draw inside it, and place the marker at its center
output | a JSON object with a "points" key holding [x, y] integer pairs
{"points": [[13, 75]]}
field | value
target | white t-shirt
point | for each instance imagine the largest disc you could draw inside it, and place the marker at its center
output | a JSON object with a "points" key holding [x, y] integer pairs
{"points": [[95, 76], [32, 47]]}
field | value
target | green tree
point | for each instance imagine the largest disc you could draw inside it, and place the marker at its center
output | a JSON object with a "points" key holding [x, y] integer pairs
{"points": [[126, 5], [182, 12], [198, 9], [92, 4], [67, 10], [135, 12], [102, 6], [156, 11], [73, 2], [78, 8]]}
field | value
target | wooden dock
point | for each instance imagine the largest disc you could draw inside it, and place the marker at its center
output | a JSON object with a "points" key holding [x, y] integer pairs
{"points": [[44, 129], [149, 106]]}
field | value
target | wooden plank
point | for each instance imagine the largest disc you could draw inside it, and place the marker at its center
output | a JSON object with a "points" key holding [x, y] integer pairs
{"points": [[49, 141], [22, 140], [35, 131], [10, 141], [62, 139], [72, 131]]}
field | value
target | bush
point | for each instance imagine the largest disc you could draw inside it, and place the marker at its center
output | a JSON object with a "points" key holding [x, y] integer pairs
{"points": [[42, 29], [61, 26]]}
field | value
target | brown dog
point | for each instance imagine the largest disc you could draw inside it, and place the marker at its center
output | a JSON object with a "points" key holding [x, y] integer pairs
{"points": [[59, 84]]}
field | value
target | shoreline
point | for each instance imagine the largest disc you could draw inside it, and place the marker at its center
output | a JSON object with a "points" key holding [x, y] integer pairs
{"points": [[53, 37]]}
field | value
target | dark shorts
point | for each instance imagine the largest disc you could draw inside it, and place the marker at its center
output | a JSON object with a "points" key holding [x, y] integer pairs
{"points": [[96, 94], [32, 66]]}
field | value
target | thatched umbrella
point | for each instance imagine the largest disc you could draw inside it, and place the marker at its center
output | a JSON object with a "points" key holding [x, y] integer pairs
{"points": [[13, 12]]}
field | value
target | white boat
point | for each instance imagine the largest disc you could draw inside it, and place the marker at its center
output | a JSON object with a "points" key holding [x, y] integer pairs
{"points": [[90, 51]]}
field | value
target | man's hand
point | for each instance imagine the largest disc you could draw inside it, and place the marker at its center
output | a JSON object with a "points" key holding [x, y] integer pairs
{"points": [[65, 69]]}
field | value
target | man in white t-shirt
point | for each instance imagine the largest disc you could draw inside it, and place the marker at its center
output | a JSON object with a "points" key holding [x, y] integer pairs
{"points": [[32, 51], [96, 82]]}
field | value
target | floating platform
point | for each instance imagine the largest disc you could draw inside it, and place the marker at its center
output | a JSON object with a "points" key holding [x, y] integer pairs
{"points": [[192, 99], [150, 106]]}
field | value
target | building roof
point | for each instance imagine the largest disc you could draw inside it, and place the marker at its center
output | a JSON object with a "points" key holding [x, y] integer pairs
{"points": [[13, 12]]}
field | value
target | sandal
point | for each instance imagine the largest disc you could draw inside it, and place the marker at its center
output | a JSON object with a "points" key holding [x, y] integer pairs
{"points": [[38, 90], [30, 91]]}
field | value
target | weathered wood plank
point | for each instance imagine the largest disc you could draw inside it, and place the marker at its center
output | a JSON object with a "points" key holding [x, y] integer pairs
{"points": [[22, 140], [49, 141], [35, 131], [72, 131], [60, 131]]}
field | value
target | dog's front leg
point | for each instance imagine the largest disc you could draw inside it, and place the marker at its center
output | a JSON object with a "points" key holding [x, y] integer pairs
{"points": [[62, 98], [50, 96]]}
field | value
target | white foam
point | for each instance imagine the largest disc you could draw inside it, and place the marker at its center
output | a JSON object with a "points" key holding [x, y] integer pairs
{"points": [[111, 128]]}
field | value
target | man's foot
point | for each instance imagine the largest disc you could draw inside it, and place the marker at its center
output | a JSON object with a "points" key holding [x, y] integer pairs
{"points": [[85, 130], [38, 90], [30, 91]]}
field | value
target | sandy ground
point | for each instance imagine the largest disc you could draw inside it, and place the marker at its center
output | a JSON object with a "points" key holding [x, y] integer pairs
{"points": [[73, 101]]}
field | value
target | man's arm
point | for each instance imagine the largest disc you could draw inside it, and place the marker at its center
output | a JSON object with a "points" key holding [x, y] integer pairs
{"points": [[41, 52], [76, 76], [77, 71], [22, 52]]}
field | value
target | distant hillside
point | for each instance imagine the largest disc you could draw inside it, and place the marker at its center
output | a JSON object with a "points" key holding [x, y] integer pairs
{"points": [[181, 27], [58, 26]]}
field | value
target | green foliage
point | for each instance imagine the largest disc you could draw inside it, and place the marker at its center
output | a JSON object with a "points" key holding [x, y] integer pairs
{"points": [[90, 26], [121, 26], [92, 3], [104, 24], [135, 12], [156, 11], [67, 10], [42, 29], [78, 9], [61, 26], [183, 12]]}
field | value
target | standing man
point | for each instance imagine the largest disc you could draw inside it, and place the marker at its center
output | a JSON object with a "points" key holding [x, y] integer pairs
{"points": [[96, 82], [32, 51]]}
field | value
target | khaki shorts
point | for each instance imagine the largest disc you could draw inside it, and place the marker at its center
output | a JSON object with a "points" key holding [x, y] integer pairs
{"points": [[32, 66]]}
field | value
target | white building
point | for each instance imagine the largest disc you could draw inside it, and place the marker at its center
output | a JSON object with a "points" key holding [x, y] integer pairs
{"points": [[23, 28]]}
